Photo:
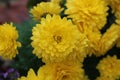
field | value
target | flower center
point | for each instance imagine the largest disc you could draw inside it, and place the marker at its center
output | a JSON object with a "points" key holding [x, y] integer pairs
{"points": [[58, 39], [64, 77]]}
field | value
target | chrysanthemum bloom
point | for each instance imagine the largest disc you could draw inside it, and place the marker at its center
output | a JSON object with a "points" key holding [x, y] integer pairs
{"points": [[44, 8], [13, 11], [93, 37], [92, 13], [109, 67], [62, 71], [109, 38], [99, 44], [8, 43], [30, 76], [55, 38]]}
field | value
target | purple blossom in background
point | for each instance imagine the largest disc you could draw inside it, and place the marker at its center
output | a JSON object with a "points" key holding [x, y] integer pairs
{"points": [[8, 74]]}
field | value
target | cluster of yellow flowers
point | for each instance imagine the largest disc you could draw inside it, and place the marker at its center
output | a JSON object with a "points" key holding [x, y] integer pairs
{"points": [[109, 68], [64, 43], [57, 71], [59, 43], [53, 41], [8, 43], [91, 13]]}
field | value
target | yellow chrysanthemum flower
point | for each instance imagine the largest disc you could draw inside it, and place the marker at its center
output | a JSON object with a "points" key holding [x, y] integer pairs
{"points": [[90, 12], [109, 39], [45, 8], [109, 67], [93, 37], [8, 43], [99, 44], [61, 71], [55, 38], [31, 76]]}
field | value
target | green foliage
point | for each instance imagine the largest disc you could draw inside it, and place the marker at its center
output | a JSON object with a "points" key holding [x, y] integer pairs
{"points": [[25, 59], [33, 2]]}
